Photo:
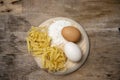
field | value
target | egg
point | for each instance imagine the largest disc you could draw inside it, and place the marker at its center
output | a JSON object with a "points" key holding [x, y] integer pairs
{"points": [[72, 34], [72, 51]]}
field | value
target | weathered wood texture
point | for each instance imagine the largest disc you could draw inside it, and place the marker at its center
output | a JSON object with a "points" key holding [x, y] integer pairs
{"points": [[100, 18]]}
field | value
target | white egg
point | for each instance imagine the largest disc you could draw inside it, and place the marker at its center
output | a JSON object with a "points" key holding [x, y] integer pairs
{"points": [[72, 51]]}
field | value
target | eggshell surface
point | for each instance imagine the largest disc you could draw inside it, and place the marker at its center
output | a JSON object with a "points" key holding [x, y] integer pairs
{"points": [[72, 34], [72, 51]]}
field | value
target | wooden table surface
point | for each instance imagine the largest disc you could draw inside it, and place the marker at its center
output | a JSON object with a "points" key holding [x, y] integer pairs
{"points": [[100, 18]]}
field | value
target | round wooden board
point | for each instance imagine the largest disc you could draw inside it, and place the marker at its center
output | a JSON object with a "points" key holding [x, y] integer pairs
{"points": [[83, 44]]}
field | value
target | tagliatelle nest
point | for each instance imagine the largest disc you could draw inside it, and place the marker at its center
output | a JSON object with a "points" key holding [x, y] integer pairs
{"points": [[53, 59], [38, 42]]}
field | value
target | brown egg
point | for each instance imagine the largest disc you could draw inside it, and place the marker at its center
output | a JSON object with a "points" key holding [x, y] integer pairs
{"points": [[71, 34]]}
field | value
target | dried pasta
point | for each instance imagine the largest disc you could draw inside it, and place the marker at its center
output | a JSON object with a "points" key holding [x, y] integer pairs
{"points": [[37, 39], [38, 42], [53, 59]]}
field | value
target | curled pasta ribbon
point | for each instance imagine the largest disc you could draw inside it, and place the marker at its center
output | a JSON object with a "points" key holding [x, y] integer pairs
{"points": [[37, 39], [38, 42], [53, 59]]}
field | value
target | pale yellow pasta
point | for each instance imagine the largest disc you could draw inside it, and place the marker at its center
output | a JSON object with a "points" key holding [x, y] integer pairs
{"points": [[37, 39], [38, 42], [53, 59]]}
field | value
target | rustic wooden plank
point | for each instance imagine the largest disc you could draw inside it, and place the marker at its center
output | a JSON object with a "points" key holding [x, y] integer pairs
{"points": [[100, 18], [87, 12]]}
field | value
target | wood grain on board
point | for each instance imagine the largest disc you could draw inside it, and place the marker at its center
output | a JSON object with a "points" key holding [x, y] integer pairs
{"points": [[100, 18]]}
